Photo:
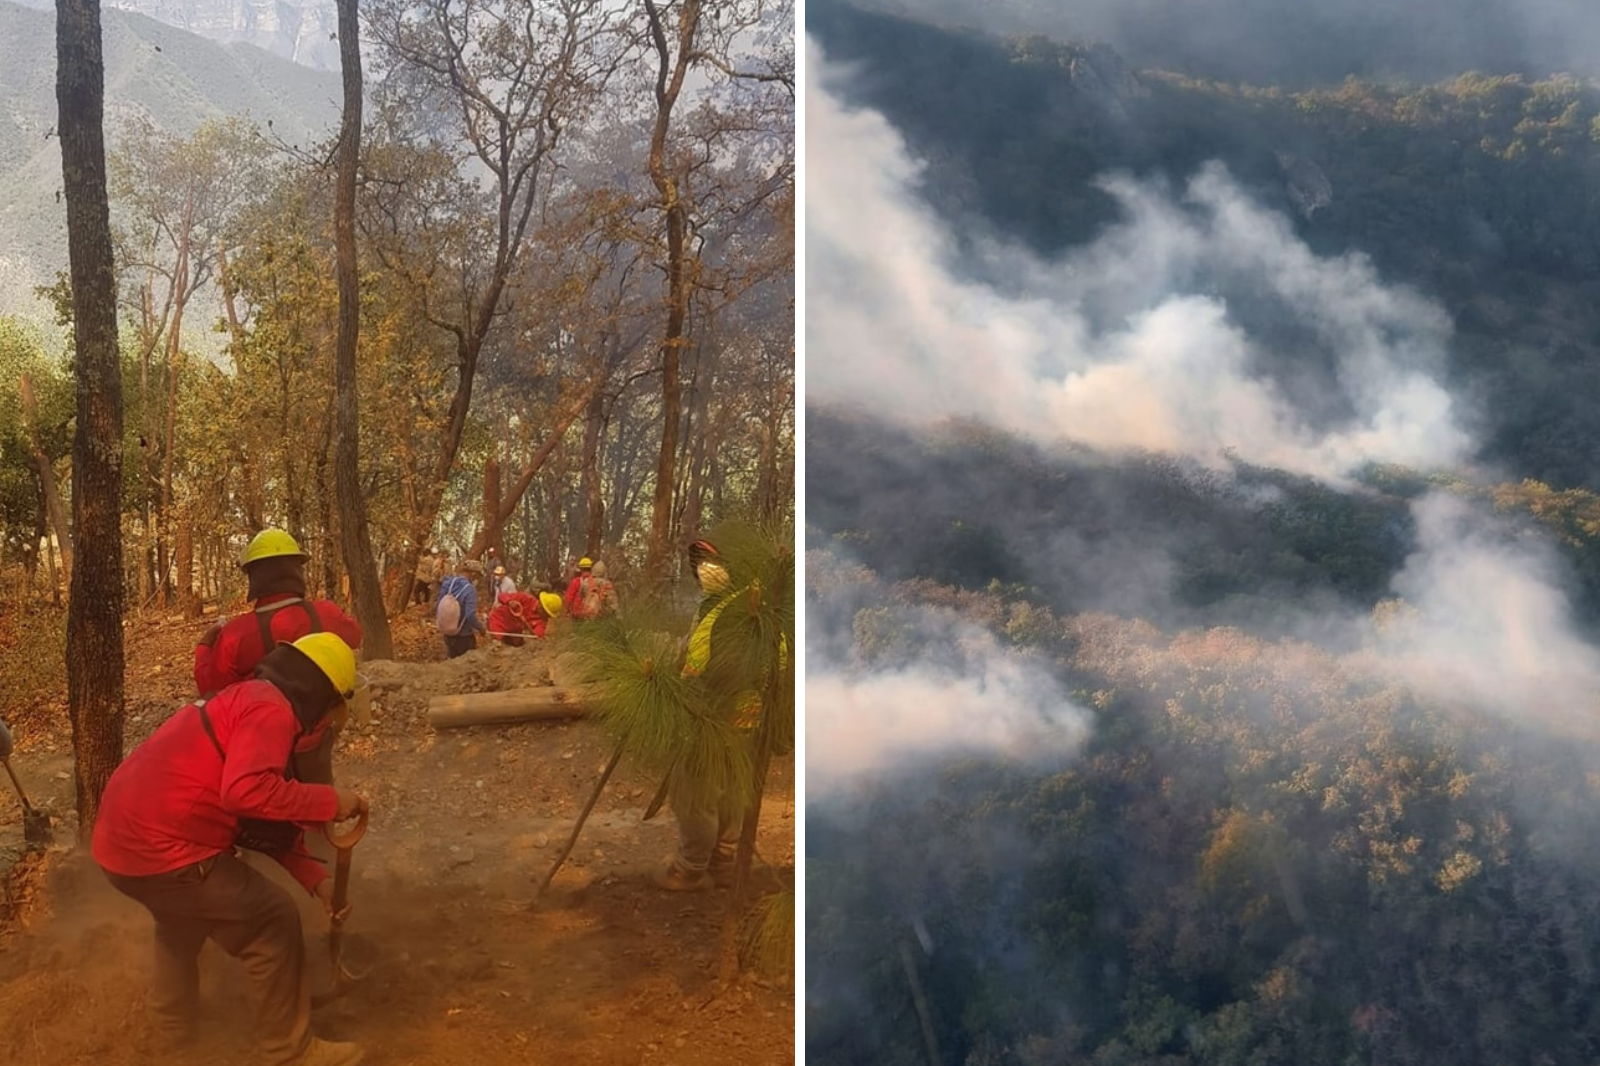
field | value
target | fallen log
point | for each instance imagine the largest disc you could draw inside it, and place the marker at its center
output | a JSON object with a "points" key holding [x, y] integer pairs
{"points": [[511, 705]]}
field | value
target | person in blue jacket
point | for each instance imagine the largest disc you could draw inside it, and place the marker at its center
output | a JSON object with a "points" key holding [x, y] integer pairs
{"points": [[461, 631]]}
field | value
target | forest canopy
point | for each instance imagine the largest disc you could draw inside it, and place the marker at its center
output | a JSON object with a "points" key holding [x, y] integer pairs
{"points": [[1169, 753]]}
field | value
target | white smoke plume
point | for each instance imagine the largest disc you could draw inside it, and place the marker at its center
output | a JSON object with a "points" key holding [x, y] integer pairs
{"points": [[977, 698], [1486, 622], [1118, 345]]}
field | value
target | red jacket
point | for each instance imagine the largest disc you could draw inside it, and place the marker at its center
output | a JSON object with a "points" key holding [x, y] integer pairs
{"points": [[175, 801], [574, 596], [237, 649], [533, 619]]}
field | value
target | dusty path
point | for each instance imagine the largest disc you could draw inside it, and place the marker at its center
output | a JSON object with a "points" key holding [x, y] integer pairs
{"points": [[606, 969]]}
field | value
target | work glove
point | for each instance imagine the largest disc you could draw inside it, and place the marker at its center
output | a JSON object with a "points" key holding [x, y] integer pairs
{"points": [[6, 745], [209, 637]]}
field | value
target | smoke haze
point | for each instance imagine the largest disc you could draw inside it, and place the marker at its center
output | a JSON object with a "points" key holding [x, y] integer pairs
{"points": [[1488, 623], [1118, 345], [1293, 44], [960, 693], [1123, 344]]}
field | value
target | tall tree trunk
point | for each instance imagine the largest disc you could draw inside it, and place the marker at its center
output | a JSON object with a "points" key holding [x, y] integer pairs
{"points": [[675, 217], [180, 291], [492, 522], [147, 564], [230, 297], [327, 520], [554, 568], [251, 491], [594, 503], [47, 476], [509, 500], [294, 504], [41, 535], [94, 608], [30, 566], [366, 591], [530, 547], [699, 430], [184, 549], [412, 546]]}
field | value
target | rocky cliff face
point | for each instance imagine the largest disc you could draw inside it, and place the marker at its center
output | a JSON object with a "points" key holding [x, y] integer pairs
{"points": [[298, 30]]}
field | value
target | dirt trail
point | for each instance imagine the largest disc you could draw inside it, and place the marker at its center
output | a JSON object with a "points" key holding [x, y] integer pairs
{"points": [[466, 970]]}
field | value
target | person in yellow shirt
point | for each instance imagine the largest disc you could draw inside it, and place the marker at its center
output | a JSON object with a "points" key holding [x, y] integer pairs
{"points": [[708, 822]]}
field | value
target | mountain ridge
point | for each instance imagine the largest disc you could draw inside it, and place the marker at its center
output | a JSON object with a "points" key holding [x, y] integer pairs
{"points": [[174, 78], [302, 31]]}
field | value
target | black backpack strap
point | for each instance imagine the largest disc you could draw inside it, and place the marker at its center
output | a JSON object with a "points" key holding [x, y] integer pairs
{"points": [[256, 834], [205, 720], [264, 620]]}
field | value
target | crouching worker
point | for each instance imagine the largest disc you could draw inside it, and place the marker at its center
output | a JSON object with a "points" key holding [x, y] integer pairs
{"points": [[519, 613], [215, 775]]}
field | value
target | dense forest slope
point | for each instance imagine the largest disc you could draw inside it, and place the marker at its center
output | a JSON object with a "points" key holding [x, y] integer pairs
{"points": [[1128, 757], [1481, 191], [1146, 836], [1265, 854]]}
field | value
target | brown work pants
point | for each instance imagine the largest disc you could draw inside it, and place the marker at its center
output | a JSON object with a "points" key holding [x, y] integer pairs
{"points": [[709, 825], [253, 920]]}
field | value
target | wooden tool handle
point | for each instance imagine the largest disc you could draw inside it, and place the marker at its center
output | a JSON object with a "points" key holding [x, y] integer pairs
{"points": [[350, 837]]}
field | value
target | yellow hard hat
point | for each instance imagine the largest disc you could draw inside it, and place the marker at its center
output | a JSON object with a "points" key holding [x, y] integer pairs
{"points": [[268, 544], [333, 657], [551, 603], [585, 563]]}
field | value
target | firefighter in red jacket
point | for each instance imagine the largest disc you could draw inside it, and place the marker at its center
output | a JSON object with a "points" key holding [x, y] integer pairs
{"points": [[276, 569], [516, 613], [217, 774], [573, 599]]}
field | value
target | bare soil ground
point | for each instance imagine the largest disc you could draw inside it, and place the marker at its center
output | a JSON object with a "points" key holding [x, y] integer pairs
{"points": [[465, 967]]}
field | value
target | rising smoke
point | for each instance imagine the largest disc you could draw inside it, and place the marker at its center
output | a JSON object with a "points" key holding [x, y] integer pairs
{"points": [[1487, 623], [1119, 345], [955, 691], [1126, 344]]}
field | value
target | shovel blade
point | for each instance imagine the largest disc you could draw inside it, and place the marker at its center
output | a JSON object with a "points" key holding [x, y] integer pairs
{"points": [[36, 827], [354, 960]]}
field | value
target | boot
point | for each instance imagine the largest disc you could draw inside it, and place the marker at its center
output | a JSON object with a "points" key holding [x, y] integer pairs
{"points": [[159, 1044], [675, 878], [328, 1053]]}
